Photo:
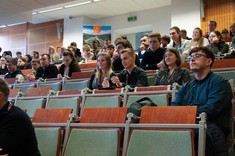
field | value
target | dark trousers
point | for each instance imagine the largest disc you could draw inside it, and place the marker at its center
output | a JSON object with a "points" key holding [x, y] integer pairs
{"points": [[216, 141]]}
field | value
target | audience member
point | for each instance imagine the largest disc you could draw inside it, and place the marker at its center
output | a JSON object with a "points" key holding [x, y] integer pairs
{"points": [[232, 30], [102, 77], [69, 65], [217, 44], [198, 40], [183, 34], [165, 40], [35, 66], [46, 70], [110, 50], [182, 45], [96, 49], [117, 61], [7, 53], [172, 73], [225, 35], [78, 53], [152, 58], [14, 72], [53, 54], [144, 45], [17, 135], [35, 55], [3, 66], [211, 94], [131, 75], [22, 64], [105, 47], [87, 54], [211, 26], [18, 55], [28, 61], [73, 49], [232, 55], [60, 51]]}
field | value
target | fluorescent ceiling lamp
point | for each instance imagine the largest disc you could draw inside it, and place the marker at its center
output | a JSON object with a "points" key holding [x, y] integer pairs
{"points": [[9, 25], [3, 26], [96, 0], [34, 13], [77, 4], [49, 10]]}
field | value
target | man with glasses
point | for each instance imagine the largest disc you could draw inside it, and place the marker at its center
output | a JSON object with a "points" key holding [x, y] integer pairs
{"points": [[152, 58], [211, 94]]}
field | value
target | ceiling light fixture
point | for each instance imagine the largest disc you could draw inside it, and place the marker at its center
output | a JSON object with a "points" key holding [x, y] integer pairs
{"points": [[49, 10], [34, 13], [3, 26], [96, 0], [9, 25], [77, 4]]}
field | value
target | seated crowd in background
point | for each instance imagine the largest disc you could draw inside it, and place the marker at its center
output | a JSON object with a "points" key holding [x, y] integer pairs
{"points": [[151, 54]]}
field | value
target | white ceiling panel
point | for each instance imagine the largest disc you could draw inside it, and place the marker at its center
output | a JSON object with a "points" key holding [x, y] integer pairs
{"points": [[21, 10]]}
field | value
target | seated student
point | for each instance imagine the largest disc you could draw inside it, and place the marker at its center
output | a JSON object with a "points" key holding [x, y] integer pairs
{"points": [[17, 136], [131, 75], [22, 64], [35, 66], [198, 39], [182, 45], [211, 94], [87, 55], [110, 50], [172, 72], [217, 45], [232, 55], [69, 65], [144, 45], [14, 72], [54, 56], [117, 61], [46, 70], [3, 66], [28, 61], [152, 58], [165, 40], [225, 35], [102, 77]]}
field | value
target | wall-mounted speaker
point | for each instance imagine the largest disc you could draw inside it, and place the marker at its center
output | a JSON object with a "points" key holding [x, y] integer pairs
{"points": [[59, 31]]}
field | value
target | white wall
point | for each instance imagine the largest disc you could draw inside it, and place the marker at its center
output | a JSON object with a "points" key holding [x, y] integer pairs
{"points": [[185, 14], [157, 20], [73, 31], [182, 13]]}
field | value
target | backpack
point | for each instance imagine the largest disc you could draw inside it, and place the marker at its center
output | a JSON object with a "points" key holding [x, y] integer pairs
{"points": [[136, 106]]}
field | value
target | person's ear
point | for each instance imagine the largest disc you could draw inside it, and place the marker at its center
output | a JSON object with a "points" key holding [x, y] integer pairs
{"points": [[209, 61], [2, 97]]}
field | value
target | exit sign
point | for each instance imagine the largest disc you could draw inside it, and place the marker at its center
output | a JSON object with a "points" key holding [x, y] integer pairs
{"points": [[132, 18]]}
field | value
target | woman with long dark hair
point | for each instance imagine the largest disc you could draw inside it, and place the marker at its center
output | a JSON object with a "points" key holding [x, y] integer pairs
{"points": [[69, 65]]}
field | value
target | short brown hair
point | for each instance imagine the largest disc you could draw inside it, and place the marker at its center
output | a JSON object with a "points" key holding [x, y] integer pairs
{"points": [[36, 61], [12, 61], [155, 34], [4, 88], [166, 38], [205, 50], [129, 51]]}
